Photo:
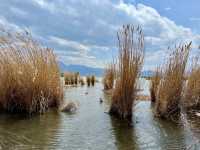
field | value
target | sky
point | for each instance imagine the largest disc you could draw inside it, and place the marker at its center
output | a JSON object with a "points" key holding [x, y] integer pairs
{"points": [[84, 31]]}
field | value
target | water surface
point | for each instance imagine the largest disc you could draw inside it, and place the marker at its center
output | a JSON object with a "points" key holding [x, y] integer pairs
{"points": [[90, 128]]}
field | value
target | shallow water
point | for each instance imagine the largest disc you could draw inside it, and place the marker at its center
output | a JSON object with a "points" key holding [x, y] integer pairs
{"points": [[90, 128]]}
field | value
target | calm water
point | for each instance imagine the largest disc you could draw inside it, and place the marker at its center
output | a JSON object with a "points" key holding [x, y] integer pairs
{"points": [[92, 129]]}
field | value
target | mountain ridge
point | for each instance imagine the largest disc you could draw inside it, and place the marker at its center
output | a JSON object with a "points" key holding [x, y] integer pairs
{"points": [[86, 70]]}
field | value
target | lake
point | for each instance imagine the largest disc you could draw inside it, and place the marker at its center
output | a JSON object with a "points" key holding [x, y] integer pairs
{"points": [[91, 128]]}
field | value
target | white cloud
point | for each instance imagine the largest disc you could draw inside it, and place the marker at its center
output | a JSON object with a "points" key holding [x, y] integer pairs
{"points": [[18, 12], [69, 43], [87, 30], [168, 8]]}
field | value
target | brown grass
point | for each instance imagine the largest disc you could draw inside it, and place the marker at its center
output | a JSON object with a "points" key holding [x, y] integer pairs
{"points": [[131, 55], [171, 85], [109, 77], [81, 81], [88, 80], [192, 89], [29, 75], [71, 78], [93, 80], [154, 83]]}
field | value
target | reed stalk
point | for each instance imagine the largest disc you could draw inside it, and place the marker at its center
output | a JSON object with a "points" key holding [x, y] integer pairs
{"points": [[130, 60], [192, 90], [109, 77], [171, 85], [154, 83], [29, 75]]}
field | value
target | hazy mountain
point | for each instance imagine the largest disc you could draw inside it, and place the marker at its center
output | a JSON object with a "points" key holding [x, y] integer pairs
{"points": [[85, 70]]}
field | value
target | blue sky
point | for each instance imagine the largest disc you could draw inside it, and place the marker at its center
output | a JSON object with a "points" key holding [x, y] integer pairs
{"points": [[84, 32]]}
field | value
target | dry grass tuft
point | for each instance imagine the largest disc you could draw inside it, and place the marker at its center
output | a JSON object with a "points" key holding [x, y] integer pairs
{"points": [[131, 55], [81, 81], [109, 77], [88, 80], [71, 78], [154, 83], [171, 85], [192, 89], [29, 75], [92, 80]]}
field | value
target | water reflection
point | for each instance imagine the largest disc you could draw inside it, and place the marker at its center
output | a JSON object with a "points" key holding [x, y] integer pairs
{"points": [[192, 126], [154, 133], [124, 134], [90, 128], [23, 132]]}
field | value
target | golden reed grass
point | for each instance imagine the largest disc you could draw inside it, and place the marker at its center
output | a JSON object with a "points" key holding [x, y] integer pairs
{"points": [[154, 83], [88, 80], [71, 78], [170, 87], [29, 75], [92, 80], [131, 55], [192, 90], [81, 81], [109, 77]]}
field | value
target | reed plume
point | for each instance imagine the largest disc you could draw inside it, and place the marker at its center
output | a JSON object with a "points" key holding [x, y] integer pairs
{"points": [[130, 60]]}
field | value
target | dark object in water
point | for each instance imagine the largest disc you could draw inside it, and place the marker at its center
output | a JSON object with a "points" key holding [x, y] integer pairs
{"points": [[100, 100], [86, 93], [69, 107]]}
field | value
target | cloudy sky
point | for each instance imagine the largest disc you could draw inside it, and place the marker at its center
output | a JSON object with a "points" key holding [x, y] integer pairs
{"points": [[84, 31]]}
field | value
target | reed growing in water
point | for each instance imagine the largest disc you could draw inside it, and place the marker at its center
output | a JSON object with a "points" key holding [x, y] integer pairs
{"points": [[81, 81], [192, 90], [109, 77], [29, 75], [71, 78], [171, 85], [130, 60], [88, 80], [154, 83], [92, 80]]}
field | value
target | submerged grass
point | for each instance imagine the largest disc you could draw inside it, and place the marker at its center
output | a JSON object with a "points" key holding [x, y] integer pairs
{"points": [[29, 75], [131, 55], [170, 87]]}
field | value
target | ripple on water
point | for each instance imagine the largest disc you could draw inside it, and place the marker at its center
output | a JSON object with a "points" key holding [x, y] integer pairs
{"points": [[91, 128]]}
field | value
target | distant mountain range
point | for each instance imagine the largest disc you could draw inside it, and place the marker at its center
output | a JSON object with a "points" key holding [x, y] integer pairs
{"points": [[85, 70]]}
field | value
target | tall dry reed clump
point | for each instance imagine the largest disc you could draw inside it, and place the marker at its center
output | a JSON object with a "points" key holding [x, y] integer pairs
{"points": [[81, 81], [171, 85], [192, 89], [131, 55], [71, 78], [93, 80], [88, 80], [29, 75], [154, 83], [109, 77]]}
